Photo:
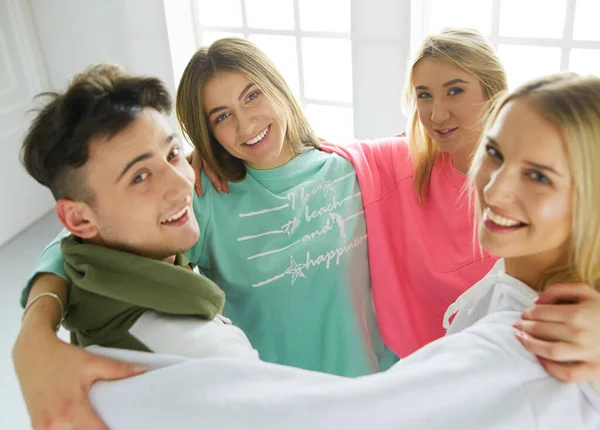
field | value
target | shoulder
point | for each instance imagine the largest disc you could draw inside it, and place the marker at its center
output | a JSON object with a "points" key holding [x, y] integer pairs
{"points": [[387, 156]]}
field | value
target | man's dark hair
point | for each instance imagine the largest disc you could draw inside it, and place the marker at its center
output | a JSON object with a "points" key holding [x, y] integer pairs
{"points": [[99, 103]]}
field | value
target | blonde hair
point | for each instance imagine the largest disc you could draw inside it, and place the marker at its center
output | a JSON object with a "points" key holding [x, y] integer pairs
{"points": [[239, 56], [572, 104], [467, 50]]}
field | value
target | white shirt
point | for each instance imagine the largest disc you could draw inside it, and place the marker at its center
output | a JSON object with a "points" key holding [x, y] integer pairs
{"points": [[477, 377]]}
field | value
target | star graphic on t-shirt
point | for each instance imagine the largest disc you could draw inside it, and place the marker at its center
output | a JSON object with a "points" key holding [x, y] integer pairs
{"points": [[295, 270], [326, 186]]}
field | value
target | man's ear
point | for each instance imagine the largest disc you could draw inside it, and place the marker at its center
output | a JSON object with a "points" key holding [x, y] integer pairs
{"points": [[77, 217]]}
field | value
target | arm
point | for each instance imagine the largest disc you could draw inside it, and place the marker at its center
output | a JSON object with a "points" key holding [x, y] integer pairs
{"points": [[380, 164], [463, 381], [55, 376], [198, 165]]}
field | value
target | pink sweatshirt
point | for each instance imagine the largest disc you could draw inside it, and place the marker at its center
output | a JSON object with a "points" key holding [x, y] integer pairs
{"points": [[421, 255]]}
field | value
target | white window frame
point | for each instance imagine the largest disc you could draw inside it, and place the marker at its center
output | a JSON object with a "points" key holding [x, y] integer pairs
{"points": [[419, 29], [297, 33], [380, 30]]}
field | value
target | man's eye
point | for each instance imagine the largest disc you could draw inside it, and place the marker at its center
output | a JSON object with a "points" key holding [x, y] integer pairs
{"points": [[174, 153]]}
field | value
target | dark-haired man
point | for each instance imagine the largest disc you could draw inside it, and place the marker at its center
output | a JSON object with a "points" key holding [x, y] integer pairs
{"points": [[123, 191]]}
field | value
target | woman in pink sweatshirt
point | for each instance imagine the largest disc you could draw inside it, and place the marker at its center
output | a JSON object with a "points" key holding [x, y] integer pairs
{"points": [[421, 248]]}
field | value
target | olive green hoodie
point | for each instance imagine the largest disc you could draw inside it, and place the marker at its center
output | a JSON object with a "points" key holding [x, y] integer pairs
{"points": [[109, 290]]}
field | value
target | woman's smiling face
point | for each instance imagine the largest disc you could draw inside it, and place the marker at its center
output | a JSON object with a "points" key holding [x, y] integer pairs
{"points": [[245, 121], [524, 187]]}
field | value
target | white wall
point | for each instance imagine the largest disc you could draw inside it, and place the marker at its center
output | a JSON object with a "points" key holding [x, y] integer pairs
{"points": [[66, 36], [380, 53], [77, 33], [22, 75]]}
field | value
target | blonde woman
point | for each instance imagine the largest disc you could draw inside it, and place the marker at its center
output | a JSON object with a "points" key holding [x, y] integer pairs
{"points": [[535, 180]]}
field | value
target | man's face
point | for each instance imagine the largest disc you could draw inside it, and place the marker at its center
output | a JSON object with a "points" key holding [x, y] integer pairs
{"points": [[142, 187]]}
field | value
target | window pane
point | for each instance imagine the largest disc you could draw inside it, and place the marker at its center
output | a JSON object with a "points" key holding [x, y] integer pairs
{"points": [[475, 14], [586, 20], [524, 63], [585, 61], [208, 37], [329, 15], [222, 13], [532, 18], [282, 51], [327, 69], [331, 123], [271, 14]]}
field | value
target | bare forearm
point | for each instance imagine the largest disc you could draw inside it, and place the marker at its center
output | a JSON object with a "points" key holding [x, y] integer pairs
{"points": [[43, 316]]}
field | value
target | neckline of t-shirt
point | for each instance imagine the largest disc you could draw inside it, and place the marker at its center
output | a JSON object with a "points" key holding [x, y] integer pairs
{"points": [[285, 170], [458, 179]]}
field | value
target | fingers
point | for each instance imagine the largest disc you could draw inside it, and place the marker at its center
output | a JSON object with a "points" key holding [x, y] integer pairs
{"points": [[225, 185], [572, 372], [215, 180], [549, 331], [197, 165], [567, 293], [100, 368], [555, 351], [569, 314]]}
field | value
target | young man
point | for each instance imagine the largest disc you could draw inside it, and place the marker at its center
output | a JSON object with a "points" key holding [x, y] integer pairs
{"points": [[124, 190]]}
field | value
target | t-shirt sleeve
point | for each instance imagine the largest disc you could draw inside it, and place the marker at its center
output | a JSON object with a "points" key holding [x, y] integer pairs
{"points": [[202, 206], [50, 261]]}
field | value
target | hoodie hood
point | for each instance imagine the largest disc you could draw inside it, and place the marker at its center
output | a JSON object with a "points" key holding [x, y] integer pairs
{"points": [[496, 292]]}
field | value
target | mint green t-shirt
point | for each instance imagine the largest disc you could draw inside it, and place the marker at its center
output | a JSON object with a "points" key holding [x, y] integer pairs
{"points": [[289, 248]]}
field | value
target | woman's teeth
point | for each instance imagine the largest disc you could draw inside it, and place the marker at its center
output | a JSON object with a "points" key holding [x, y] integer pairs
{"points": [[258, 138], [176, 216], [500, 220]]}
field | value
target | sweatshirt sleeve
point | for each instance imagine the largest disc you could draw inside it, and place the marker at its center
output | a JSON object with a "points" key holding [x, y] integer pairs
{"points": [[463, 381], [50, 261], [380, 164]]}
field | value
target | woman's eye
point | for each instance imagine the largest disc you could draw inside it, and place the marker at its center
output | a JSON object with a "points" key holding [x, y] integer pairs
{"points": [[539, 177], [140, 178], [254, 95], [221, 117], [423, 96], [455, 91], [493, 152], [174, 153]]}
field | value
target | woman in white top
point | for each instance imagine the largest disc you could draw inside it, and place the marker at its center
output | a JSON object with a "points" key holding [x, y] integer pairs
{"points": [[535, 179]]}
